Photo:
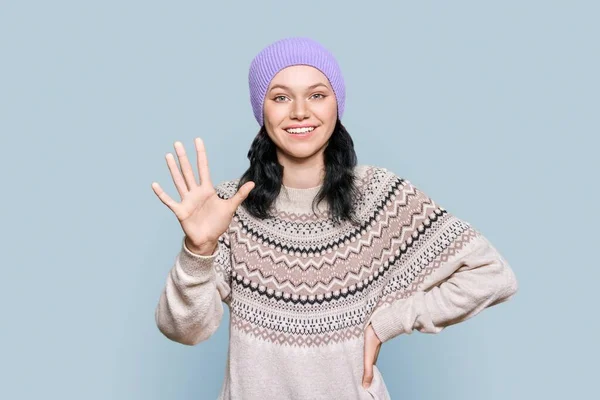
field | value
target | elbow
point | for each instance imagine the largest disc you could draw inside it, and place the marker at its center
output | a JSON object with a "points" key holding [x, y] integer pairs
{"points": [[188, 340], [191, 338], [509, 286], [186, 334]]}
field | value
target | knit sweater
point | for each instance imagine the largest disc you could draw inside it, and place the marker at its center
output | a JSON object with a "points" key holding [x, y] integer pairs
{"points": [[301, 289]]}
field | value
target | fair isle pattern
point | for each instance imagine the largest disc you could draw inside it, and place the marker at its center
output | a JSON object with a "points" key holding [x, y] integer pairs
{"points": [[403, 287], [296, 339], [299, 280]]}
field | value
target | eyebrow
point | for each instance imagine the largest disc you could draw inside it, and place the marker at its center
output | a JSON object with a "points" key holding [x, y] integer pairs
{"points": [[287, 88]]}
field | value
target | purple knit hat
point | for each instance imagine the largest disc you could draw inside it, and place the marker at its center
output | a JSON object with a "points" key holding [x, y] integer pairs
{"points": [[287, 52]]}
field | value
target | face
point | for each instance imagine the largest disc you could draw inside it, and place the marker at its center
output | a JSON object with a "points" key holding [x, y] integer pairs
{"points": [[300, 112]]}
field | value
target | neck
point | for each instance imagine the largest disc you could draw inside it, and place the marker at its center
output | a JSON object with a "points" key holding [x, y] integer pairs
{"points": [[302, 174]]}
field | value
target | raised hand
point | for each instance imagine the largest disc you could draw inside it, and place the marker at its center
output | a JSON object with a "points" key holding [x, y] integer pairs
{"points": [[203, 215]]}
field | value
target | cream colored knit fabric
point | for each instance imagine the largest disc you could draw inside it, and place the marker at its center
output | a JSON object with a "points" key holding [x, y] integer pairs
{"points": [[301, 290]]}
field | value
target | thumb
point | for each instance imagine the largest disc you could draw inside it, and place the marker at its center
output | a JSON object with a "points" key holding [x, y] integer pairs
{"points": [[242, 193]]}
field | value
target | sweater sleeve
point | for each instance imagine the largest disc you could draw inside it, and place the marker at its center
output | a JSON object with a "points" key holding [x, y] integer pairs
{"points": [[190, 308], [453, 274]]}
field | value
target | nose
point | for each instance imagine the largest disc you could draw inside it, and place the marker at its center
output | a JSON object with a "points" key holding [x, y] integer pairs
{"points": [[299, 110]]}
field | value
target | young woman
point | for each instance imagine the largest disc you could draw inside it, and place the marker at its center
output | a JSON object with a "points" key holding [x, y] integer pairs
{"points": [[319, 260]]}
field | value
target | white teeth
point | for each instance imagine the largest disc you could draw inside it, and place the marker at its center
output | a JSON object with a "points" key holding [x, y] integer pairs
{"points": [[300, 130]]}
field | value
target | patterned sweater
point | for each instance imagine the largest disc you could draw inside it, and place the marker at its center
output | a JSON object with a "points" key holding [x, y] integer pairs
{"points": [[301, 290]]}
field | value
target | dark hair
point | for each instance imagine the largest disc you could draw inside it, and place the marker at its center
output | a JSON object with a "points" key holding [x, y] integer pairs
{"points": [[339, 186]]}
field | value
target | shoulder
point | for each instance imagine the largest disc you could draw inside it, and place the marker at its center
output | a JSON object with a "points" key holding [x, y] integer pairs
{"points": [[373, 175], [385, 182]]}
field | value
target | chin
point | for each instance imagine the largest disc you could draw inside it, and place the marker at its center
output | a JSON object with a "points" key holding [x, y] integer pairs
{"points": [[302, 151]]}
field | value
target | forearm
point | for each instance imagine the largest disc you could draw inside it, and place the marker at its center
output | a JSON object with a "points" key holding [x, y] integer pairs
{"points": [[190, 308], [482, 280]]}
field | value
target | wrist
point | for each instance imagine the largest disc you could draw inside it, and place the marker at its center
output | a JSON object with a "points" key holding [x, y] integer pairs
{"points": [[203, 249]]}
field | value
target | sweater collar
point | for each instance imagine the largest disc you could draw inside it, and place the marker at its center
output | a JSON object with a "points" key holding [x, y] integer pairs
{"points": [[294, 200]]}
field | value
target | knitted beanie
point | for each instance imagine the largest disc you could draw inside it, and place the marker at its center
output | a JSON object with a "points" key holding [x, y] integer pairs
{"points": [[287, 52]]}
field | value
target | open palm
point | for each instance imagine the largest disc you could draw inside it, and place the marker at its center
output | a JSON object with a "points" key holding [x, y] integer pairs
{"points": [[203, 215]]}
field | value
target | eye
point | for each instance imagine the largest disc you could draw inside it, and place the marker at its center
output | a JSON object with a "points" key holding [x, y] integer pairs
{"points": [[319, 94], [279, 97]]}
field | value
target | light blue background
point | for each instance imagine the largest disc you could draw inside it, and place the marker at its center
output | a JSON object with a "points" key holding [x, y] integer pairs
{"points": [[491, 108]]}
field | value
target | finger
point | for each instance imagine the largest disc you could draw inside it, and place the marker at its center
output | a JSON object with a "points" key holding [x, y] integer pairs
{"points": [[164, 197], [186, 167], [202, 162], [367, 375], [241, 194], [176, 175], [369, 357]]}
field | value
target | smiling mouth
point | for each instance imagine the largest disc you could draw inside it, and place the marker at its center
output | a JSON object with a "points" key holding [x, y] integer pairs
{"points": [[300, 131]]}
